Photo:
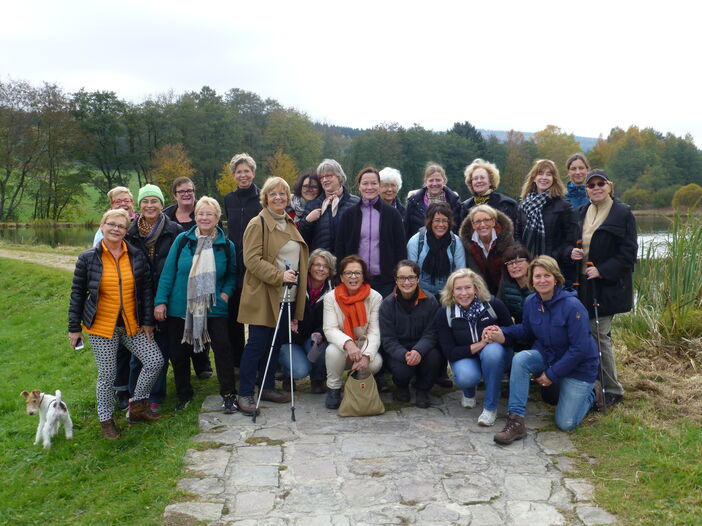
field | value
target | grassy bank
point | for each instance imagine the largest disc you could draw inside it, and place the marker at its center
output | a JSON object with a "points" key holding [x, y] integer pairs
{"points": [[87, 480]]}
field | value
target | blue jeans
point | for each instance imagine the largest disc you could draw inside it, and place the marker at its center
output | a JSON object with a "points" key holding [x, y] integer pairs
{"points": [[255, 355], [301, 366], [490, 365], [158, 391], [575, 396]]}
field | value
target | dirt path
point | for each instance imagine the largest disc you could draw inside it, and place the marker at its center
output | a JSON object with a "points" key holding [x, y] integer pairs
{"points": [[59, 261]]}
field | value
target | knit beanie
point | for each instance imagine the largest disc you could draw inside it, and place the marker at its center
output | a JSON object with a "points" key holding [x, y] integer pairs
{"points": [[150, 190]]}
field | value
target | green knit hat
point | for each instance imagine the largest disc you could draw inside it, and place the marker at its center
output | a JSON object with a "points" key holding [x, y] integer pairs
{"points": [[150, 190]]}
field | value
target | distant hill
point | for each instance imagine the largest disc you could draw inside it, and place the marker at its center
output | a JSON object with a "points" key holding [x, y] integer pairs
{"points": [[586, 143]]}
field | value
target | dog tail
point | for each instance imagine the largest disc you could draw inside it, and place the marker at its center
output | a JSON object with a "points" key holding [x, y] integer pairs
{"points": [[59, 403]]}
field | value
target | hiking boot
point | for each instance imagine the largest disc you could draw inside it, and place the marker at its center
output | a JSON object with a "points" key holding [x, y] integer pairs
{"points": [[318, 387], [277, 397], [468, 402], [247, 405], [612, 399], [286, 385], [122, 398], [421, 399], [333, 400], [444, 381], [204, 375], [229, 404], [140, 411], [598, 404], [182, 404], [109, 429], [514, 430], [487, 418], [401, 394]]}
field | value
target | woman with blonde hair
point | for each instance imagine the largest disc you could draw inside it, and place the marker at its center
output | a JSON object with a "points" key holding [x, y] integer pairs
{"points": [[435, 190], [482, 179], [546, 223], [112, 300], [468, 310], [275, 255]]}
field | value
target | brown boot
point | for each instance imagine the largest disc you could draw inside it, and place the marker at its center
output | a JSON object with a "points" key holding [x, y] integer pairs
{"points": [[109, 429], [140, 411], [514, 430], [277, 397]]}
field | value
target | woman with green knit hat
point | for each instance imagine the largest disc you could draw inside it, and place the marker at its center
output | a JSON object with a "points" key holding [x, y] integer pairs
{"points": [[153, 233]]}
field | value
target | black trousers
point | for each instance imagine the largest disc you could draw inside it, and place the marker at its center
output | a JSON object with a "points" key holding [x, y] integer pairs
{"points": [[425, 372], [236, 329], [181, 353]]}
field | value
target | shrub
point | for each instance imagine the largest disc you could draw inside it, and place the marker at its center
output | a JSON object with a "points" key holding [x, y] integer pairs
{"points": [[688, 197], [638, 198]]}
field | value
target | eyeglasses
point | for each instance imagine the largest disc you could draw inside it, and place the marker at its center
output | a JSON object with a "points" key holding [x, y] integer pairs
{"points": [[326, 176], [124, 201], [352, 274], [406, 279], [277, 194], [113, 226], [440, 221], [598, 183], [185, 192], [515, 262], [487, 221]]}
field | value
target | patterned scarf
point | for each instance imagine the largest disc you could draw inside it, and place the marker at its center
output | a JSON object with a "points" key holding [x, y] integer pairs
{"points": [[534, 237], [297, 203], [202, 287], [481, 199], [333, 201], [150, 232], [472, 312], [353, 307], [441, 198]]}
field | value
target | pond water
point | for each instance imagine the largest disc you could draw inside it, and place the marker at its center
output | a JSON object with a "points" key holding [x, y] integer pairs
{"points": [[73, 236]]}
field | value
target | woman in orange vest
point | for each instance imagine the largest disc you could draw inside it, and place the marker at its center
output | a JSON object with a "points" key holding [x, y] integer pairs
{"points": [[112, 300]]}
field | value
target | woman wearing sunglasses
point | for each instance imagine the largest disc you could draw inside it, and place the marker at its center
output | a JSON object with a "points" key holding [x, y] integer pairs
{"points": [[606, 264]]}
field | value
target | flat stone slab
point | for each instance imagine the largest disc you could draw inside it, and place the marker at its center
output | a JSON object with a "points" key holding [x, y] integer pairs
{"points": [[409, 466]]}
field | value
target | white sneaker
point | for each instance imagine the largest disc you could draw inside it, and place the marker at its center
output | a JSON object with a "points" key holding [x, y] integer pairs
{"points": [[468, 403], [487, 418]]}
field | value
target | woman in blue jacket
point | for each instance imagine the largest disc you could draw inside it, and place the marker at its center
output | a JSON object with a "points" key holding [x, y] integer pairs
{"points": [[196, 283], [436, 249], [564, 352]]}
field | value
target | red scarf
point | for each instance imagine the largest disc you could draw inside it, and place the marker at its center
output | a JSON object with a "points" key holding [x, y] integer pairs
{"points": [[353, 307]]}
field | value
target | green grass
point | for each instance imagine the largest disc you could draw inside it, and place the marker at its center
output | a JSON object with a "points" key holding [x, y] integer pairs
{"points": [[646, 473], [87, 480]]}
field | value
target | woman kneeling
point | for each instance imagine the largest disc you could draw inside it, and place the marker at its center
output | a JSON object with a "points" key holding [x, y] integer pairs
{"points": [[564, 351], [469, 309]]}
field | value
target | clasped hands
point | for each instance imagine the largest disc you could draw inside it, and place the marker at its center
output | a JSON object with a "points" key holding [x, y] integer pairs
{"points": [[359, 360]]}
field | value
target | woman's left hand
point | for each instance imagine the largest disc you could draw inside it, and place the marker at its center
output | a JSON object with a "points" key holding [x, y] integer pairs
{"points": [[413, 358], [592, 273], [224, 296], [362, 364], [149, 331], [294, 326], [543, 380]]}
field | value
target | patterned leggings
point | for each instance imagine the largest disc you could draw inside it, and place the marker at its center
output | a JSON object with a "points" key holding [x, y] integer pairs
{"points": [[105, 350]]}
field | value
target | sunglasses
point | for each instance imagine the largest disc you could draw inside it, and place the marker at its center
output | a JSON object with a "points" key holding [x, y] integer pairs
{"points": [[598, 183]]}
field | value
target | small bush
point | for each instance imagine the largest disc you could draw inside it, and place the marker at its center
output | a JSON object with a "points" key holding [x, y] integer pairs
{"points": [[688, 197]]}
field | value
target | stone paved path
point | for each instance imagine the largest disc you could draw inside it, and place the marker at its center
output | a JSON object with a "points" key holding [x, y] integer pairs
{"points": [[410, 466]]}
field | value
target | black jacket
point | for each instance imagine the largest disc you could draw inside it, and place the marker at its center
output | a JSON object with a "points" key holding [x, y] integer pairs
{"points": [[313, 320], [170, 230], [240, 207], [86, 284], [415, 210], [561, 231], [401, 332], [392, 236], [457, 334], [498, 201], [613, 250], [170, 212], [322, 233]]}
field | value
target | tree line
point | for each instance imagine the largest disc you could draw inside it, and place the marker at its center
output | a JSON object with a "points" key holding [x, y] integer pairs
{"points": [[53, 144]]}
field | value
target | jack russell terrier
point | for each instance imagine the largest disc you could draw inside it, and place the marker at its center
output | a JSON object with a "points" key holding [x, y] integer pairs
{"points": [[52, 411]]}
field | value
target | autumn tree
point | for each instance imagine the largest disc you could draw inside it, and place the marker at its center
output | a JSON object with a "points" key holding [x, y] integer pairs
{"points": [[552, 143], [282, 165], [170, 162], [225, 180], [520, 156], [689, 197]]}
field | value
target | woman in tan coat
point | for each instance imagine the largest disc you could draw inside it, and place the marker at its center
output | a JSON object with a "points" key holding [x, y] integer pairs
{"points": [[275, 256]]}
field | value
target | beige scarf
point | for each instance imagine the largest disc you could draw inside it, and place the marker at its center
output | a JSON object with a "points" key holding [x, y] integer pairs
{"points": [[594, 217], [332, 200]]}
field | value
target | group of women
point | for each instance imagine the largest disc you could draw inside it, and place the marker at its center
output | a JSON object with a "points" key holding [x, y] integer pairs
{"points": [[418, 286]]}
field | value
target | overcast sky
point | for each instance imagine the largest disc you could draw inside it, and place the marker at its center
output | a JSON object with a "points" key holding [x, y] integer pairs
{"points": [[583, 66]]}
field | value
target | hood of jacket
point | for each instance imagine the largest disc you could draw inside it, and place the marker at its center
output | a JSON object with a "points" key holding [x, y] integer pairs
{"points": [[505, 232]]}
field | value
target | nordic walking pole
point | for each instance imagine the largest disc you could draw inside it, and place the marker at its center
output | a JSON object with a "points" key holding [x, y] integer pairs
{"points": [[595, 306], [292, 382], [270, 353]]}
